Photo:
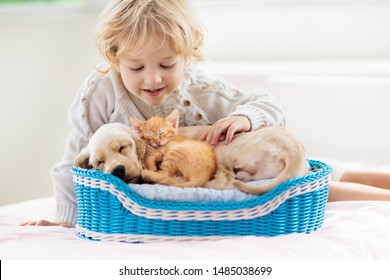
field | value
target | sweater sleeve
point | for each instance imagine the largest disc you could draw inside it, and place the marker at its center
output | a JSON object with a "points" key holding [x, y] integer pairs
{"points": [[218, 98], [89, 110]]}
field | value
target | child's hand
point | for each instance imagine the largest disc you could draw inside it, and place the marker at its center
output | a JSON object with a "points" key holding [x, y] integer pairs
{"points": [[224, 129], [45, 223]]}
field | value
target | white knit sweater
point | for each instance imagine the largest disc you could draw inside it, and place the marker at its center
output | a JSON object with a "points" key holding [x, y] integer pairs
{"points": [[201, 100]]}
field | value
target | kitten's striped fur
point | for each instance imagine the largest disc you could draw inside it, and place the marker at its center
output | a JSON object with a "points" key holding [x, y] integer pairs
{"points": [[175, 160]]}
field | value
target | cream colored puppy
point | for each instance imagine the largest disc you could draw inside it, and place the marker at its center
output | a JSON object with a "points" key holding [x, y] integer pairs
{"points": [[115, 149], [269, 152]]}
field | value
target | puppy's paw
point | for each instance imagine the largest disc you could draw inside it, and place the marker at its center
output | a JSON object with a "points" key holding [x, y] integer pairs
{"points": [[145, 174], [150, 176], [218, 184], [244, 176]]}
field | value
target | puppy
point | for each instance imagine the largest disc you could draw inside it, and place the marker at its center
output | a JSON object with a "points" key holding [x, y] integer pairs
{"points": [[115, 149], [269, 152]]}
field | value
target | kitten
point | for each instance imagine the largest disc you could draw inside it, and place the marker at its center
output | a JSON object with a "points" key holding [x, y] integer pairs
{"points": [[175, 160]]}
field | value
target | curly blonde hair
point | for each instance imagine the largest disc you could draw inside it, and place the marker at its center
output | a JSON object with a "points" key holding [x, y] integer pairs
{"points": [[127, 26]]}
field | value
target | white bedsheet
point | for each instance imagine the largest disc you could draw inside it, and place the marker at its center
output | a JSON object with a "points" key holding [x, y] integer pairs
{"points": [[352, 230]]}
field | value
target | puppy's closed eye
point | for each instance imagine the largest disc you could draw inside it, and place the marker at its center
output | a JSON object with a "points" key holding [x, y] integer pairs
{"points": [[119, 146], [123, 148], [99, 159]]}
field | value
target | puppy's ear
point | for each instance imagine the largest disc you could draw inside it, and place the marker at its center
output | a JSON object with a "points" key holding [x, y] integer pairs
{"points": [[82, 160]]}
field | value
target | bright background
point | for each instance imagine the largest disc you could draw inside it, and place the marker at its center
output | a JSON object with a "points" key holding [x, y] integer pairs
{"points": [[327, 61]]}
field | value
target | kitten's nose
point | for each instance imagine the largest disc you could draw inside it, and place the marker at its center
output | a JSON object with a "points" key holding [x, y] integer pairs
{"points": [[119, 171]]}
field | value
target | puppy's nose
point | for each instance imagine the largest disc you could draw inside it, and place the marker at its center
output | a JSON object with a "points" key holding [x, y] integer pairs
{"points": [[119, 171]]}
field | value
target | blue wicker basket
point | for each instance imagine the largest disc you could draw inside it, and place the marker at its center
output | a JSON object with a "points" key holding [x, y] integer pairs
{"points": [[109, 210]]}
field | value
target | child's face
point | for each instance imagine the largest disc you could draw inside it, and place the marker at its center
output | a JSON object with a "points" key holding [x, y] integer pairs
{"points": [[153, 75]]}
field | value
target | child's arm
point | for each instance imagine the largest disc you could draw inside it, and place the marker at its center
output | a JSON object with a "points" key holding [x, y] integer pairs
{"points": [[87, 112]]}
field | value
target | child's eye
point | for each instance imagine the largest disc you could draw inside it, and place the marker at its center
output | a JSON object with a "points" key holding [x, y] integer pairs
{"points": [[167, 66], [136, 69]]}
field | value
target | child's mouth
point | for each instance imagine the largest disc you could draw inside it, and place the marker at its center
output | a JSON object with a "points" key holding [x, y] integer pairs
{"points": [[153, 92]]}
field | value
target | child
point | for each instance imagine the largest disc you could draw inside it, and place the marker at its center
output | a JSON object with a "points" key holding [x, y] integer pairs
{"points": [[151, 47]]}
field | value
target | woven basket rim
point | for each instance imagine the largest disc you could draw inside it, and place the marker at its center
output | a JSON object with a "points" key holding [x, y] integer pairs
{"points": [[321, 170]]}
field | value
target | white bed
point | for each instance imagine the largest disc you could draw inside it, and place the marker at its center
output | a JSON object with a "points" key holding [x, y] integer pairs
{"points": [[352, 230]]}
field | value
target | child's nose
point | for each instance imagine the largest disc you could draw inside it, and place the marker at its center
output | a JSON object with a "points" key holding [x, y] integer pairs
{"points": [[153, 78]]}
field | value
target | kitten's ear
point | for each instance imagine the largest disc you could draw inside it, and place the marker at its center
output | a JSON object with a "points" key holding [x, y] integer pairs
{"points": [[136, 123], [173, 118], [82, 160]]}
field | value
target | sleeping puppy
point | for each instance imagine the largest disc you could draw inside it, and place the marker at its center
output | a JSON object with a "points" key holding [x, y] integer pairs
{"points": [[115, 149], [267, 153]]}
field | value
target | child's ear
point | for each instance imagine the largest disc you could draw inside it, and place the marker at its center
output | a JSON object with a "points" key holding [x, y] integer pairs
{"points": [[136, 124], [173, 118], [187, 60]]}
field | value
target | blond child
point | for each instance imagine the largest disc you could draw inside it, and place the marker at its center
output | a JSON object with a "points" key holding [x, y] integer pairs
{"points": [[151, 47]]}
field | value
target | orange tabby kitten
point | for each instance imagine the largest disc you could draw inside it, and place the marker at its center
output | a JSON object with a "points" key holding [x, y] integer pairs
{"points": [[176, 160]]}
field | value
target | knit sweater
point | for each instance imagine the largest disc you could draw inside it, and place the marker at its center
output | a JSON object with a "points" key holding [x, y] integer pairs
{"points": [[201, 100]]}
